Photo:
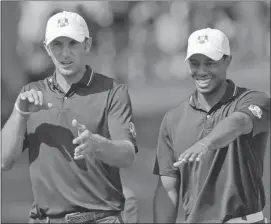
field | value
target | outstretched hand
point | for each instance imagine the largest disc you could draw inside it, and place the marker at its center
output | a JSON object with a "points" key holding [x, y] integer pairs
{"points": [[194, 153], [84, 140]]}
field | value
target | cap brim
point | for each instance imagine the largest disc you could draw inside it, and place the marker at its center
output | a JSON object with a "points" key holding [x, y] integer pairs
{"points": [[210, 53], [66, 33]]}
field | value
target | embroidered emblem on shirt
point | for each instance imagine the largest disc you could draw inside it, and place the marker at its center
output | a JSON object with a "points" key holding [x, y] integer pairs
{"points": [[256, 111], [132, 129], [202, 39], [63, 22]]}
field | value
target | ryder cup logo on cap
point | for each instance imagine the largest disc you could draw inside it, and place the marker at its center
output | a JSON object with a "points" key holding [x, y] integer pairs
{"points": [[210, 42], [66, 24]]}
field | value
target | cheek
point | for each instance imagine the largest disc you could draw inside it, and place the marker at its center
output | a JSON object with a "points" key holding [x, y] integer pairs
{"points": [[55, 56]]}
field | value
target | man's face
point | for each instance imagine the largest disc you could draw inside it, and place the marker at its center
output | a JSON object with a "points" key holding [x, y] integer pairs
{"points": [[208, 75], [68, 55]]}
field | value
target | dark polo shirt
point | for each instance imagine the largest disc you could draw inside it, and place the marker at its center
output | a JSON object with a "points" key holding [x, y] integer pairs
{"points": [[227, 182], [61, 184]]}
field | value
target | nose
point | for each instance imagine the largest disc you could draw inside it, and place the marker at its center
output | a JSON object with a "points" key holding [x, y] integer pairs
{"points": [[202, 70], [65, 51]]}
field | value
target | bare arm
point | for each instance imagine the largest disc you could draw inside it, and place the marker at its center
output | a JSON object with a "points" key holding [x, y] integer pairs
{"points": [[119, 153], [165, 202], [12, 139], [228, 130], [14, 130], [225, 132]]}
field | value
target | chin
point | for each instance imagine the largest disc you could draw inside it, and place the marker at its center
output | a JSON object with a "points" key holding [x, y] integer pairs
{"points": [[66, 72], [206, 91]]}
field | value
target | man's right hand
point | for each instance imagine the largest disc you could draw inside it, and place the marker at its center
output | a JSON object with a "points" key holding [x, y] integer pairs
{"points": [[32, 101]]}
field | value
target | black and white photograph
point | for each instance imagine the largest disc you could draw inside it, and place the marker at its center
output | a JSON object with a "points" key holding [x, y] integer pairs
{"points": [[135, 111]]}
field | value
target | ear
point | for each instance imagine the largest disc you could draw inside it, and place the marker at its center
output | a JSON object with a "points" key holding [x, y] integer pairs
{"points": [[228, 60], [88, 44]]}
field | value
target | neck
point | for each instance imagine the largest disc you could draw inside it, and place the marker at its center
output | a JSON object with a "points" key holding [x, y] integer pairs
{"points": [[209, 100], [65, 81]]}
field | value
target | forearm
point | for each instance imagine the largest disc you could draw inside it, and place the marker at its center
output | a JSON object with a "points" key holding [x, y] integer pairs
{"points": [[165, 204], [227, 130], [116, 153], [12, 139]]}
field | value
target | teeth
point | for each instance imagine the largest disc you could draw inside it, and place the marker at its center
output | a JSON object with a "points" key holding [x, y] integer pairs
{"points": [[203, 82]]}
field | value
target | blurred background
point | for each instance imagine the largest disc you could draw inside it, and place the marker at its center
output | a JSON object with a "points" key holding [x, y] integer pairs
{"points": [[141, 44]]}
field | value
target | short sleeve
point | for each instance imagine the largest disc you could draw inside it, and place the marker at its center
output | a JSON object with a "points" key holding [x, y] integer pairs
{"points": [[257, 106], [165, 154], [120, 116]]}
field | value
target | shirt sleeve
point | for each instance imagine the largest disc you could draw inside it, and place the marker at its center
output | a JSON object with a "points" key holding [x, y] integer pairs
{"points": [[257, 106], [165, 157], [120, 116]]}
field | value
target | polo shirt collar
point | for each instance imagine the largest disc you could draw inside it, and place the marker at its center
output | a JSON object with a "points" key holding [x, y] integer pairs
{"points": [[85, 81], [230, 93]]}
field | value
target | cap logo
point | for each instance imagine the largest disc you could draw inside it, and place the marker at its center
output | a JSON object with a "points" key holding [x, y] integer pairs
{"points": [[63, 22], [256, 111], [202, 39]]}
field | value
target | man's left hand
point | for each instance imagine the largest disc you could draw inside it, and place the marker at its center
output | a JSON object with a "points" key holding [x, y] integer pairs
{"points": [[194, 153]]}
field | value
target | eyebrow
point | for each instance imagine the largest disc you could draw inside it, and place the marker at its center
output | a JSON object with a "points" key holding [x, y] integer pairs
{"points": [[208, 60], [55, 41]]}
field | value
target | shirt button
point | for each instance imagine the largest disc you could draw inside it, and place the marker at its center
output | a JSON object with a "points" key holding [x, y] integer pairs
{"points": [[65, 98], [208, 116]]}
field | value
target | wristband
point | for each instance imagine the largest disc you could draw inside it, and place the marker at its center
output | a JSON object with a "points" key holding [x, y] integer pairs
{"points": [[21, 112]]}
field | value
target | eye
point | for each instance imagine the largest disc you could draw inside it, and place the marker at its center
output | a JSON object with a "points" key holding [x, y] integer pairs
{"points": [[210, 64], [73, 42], [194, 64], [56, 44]]}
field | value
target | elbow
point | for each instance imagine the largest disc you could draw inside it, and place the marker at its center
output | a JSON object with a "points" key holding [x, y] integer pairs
{"points": [[6, 165]]}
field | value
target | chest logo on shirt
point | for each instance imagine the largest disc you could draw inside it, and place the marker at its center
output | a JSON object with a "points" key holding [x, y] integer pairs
{"points": [[256, 111], [132, 129]]}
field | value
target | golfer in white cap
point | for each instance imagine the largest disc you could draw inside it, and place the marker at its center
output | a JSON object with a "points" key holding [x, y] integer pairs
{"points": [[78, 127], [211, 147]]}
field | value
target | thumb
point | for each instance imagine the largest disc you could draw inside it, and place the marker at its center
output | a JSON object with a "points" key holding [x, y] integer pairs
{"points": [[79, 126]]}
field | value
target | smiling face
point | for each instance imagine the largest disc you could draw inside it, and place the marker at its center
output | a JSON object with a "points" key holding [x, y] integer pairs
{"points": [[208, 75], [68, 55]]}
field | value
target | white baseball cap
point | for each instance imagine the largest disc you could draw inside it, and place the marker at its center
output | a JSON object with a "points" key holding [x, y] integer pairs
{"points": [[67, 24], [210, 42]]}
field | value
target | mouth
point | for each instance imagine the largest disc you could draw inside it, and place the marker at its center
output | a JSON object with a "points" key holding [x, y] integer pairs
{"points": [[66, 63], [203, 82]]}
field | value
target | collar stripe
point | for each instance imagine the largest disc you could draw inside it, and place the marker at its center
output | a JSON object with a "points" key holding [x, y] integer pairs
{"points": [[90, 78], [234, 92]]}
